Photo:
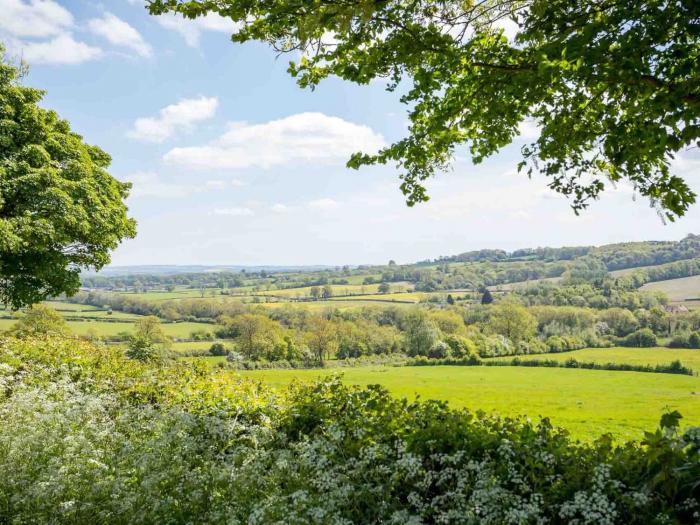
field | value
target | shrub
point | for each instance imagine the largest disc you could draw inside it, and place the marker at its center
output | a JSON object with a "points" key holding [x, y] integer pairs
{"points": [[642, 338], [439, 350], [680, 340], [694, 340], [218, 349], [91, 437], [460, 347]]}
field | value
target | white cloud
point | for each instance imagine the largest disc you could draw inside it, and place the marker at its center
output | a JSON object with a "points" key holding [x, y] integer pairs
{"points": [[323, 204], [174, 118], [238, 183], [191, 30], [45, 20], [120, 33], [61, 50], [215, 184], [150, 184], [34, 19], [304, 137], [279, 208], [233, 212]]}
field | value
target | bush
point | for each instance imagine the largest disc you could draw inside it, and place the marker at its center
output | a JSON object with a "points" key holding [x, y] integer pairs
{"points": [[201, 335], [642, 338], [460, 347], [218, 349], [565, 343], [439, 350], [680, 340], [685, 340], [91, 437]]}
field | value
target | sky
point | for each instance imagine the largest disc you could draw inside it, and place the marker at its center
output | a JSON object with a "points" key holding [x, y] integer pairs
{"points": [[233, 163]]}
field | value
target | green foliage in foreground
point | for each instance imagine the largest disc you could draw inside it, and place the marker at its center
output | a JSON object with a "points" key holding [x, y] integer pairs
{"points": [[91, 437]]}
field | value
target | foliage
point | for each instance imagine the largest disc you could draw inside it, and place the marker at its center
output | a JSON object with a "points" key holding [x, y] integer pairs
{"points": [[512, 320], [148, 343], [611, 86], [685, 340], [92, 437], [218, 349], [40, 320], [420, 332], [642, 338], [60, 210]]}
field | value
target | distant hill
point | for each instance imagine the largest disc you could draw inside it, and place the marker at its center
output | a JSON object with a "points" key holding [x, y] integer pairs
{"points": [[174, 269]]}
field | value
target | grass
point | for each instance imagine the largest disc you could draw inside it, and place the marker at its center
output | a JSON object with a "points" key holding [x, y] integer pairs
{"points": [[680, 289], [631, 356], [184, 346], [586, 402], [107, 330]]}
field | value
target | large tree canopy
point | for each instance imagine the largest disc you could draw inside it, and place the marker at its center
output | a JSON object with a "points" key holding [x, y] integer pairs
{"points": [[60, 210], [613, 85]]}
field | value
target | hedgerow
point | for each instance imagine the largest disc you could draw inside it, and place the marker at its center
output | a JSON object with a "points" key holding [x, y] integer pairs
{"points": [[87, 436]]}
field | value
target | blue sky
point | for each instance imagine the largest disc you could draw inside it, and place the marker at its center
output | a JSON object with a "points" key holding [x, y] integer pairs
{"points": [[233, 163]]}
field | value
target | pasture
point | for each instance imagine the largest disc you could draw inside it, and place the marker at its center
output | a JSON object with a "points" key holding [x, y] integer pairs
{"points": [[586, 402], [632, 356], [678, 290]]}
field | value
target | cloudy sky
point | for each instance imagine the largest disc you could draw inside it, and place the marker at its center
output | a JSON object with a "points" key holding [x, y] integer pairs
{"points": [[232, 163]]}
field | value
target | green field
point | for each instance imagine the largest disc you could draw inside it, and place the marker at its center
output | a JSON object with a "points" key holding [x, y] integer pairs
{"points": [[682, 289], [631, 356], [184, 346], [107, 329], [587, 402]]}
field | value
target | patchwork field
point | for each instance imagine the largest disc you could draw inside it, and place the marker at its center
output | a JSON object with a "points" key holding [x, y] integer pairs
{"points": [[633, 356], [683, 289], [587, 402], [108, 329]]}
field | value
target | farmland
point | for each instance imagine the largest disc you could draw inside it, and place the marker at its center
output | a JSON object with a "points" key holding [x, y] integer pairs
{"points": [[587, 402], [316, 320], [632, 356], [685, 289]]}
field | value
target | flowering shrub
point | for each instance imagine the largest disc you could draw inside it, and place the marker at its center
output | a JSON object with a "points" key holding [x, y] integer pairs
{"points": [[87, 436]]}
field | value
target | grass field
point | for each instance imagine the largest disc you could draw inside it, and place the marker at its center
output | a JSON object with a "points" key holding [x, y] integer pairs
{"points": [[508, 287], [184, 346], [632, 356], [681, 289], [107, 329], [587, 402]]}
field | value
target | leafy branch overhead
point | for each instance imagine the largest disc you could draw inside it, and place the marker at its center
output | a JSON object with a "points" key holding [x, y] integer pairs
{"points": [[612, 85]]}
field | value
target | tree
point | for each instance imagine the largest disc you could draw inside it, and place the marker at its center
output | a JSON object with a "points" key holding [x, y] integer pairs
{"points": [[40, 320], [327, 291], [384, 288], [258, 336], [513, 321], [60, 210], [315, 293], [420, 332], [148, 343], [322, 337], [450, 300], [448, 321], [611, 89], [486, 298], [619, 320]]}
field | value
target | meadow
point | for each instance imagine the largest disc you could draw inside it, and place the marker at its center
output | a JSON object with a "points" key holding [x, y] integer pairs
{"points": [[679, 290], [586, 402], [632, 356]]}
